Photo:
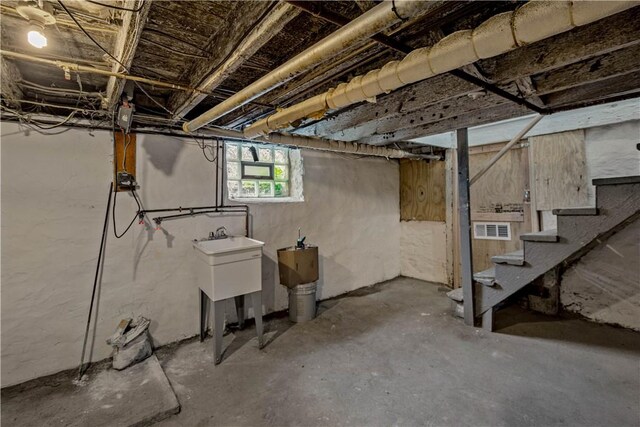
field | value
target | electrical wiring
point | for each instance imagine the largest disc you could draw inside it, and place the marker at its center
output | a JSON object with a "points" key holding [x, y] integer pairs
{"points": [[113, 215], [89, 35], [203, 146], [110, 55], [110, 6], [127, 139]]}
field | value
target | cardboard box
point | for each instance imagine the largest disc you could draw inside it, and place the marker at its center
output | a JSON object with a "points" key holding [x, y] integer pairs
{"points": [[298, 266]]}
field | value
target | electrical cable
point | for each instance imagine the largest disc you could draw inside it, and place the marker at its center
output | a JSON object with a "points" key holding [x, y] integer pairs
{"points": [[109, 53], [127, 139], [114, 7], [95, 283], [89, 35], [115, 231]]}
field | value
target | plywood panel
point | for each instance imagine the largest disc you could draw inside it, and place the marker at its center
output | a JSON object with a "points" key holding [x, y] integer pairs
{"points": [[501, 189], [499, 196], [559, 170], [122, 163], [422, 190]]}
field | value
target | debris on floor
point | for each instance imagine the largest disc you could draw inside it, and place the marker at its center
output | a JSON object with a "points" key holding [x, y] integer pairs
{"points": [[131, 342]]}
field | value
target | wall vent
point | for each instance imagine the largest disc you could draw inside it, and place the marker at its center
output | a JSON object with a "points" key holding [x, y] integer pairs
{"points": [[492, 230]]}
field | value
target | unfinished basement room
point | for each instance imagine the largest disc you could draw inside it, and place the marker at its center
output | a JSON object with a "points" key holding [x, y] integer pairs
{"points": [[320, 213]]}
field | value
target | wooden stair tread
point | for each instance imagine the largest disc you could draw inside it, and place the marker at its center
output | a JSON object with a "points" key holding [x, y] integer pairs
{"points": [[575, 211], [541, 236], [456, 295], [486, 277], [618, 180], [512, 258]]}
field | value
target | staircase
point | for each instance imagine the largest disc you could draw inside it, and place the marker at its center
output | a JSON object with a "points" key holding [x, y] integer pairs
{"points": [[617, 203]]}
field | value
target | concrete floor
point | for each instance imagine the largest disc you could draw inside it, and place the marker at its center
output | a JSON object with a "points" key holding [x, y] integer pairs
{"points": [[394, 355]]}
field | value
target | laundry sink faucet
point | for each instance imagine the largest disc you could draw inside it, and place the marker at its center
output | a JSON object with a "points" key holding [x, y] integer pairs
{"points": [[220, 233]]}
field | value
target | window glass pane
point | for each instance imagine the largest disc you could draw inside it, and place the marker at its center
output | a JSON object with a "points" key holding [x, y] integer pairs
{"points": [[232, 152], [281, 155], [256, 171], [246, 154], [234, 189], [281, 173], [233, 170], [266, 188], [249, 189], [282, 189], [265, 154]]}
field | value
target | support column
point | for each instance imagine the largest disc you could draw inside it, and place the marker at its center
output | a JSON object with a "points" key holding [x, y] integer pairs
{"points": [[465, 226]]}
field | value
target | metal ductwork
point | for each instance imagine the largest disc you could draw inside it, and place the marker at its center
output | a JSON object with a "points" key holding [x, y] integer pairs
{"points": [[366, 25], [534, 21]]}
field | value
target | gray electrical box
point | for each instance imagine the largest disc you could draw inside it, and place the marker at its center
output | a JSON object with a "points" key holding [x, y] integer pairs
{"points": [[125, 117]]}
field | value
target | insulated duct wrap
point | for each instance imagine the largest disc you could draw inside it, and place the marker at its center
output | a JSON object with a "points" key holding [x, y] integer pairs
{"points": [[532, 22]]}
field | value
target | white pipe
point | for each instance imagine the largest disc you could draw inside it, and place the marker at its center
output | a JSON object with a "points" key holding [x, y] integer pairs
{"points": [[271, 25], [320, 144], [361, 28], [534, 21], [506, 148]]}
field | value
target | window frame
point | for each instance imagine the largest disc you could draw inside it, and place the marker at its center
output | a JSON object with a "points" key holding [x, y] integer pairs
{"points": [[240, 177], [243, 175]]}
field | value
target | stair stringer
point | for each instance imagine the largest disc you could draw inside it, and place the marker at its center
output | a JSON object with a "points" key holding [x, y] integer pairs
{"points": [[616, 204]]}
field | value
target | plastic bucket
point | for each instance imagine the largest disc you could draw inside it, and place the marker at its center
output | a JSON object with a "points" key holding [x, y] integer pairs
{"points": [[302, 302]]}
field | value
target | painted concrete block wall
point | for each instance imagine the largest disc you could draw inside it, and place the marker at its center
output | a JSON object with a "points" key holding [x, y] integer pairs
{"points": [[604, 285], [611, 151], [423, 250], [54, 191]]}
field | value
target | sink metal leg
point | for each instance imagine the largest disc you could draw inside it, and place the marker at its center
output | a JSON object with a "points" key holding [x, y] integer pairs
{"points": [[204, 300], [218, 324], [256, 303], [240, 310]]}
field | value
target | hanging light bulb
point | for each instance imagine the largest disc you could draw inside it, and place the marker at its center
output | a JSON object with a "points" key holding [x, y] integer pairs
{"points": [[39, 14], [36, 36]]}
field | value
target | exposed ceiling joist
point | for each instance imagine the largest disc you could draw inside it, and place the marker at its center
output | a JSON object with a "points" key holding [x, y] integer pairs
{"points": [[232, 53], [404, 100], [126, 45], [602, 67], [606, 35], [420, 95], [614, 87], [477, 117]]}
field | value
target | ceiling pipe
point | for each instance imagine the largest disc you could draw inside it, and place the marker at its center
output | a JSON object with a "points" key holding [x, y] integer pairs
{"points": [[264, 31], [363, 27], [320, 144], [72, 66], [275, 138], [534, 21]]}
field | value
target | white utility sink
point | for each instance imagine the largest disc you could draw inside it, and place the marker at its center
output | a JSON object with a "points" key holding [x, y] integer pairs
{"points": [[229, 267]]}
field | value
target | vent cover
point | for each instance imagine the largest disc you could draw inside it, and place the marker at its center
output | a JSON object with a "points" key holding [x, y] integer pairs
{"points": [[492, 230]]}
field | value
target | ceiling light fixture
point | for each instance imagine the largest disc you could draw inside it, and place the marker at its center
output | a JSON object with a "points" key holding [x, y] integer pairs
{"points": [[39, 14], [36, 36]]}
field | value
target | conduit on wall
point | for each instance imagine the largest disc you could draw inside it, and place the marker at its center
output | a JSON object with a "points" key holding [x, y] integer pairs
{"points": [[534, 21]]}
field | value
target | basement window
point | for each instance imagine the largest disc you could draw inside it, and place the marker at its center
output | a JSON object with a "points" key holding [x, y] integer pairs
{"points": [[492, 230], [263, 172]]}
